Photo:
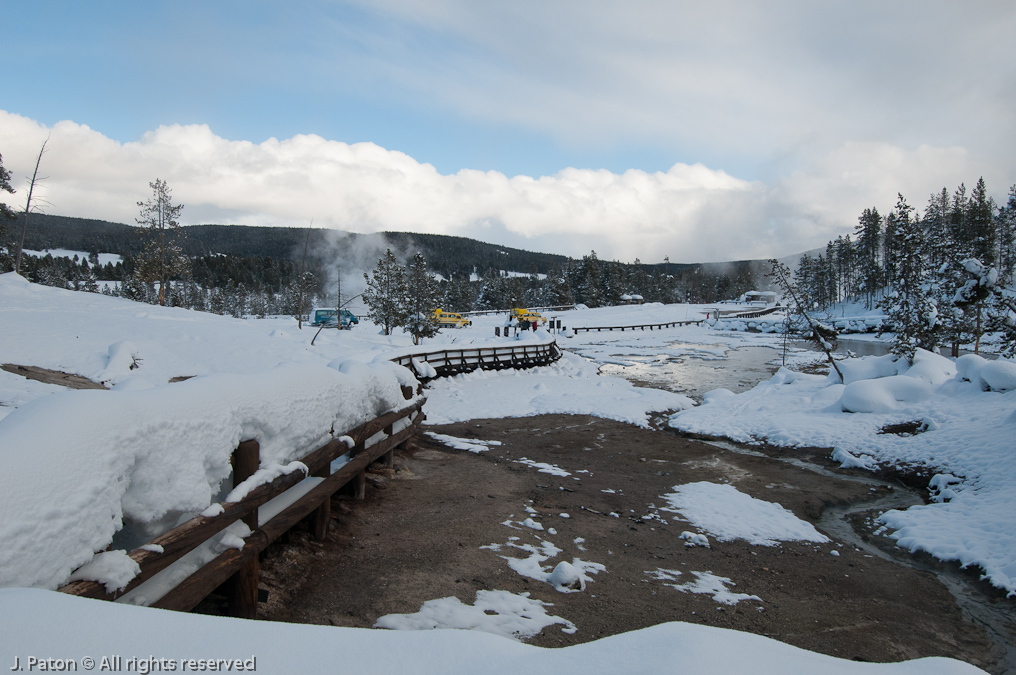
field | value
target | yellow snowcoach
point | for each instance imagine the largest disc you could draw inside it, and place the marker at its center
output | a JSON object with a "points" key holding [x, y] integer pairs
{"points": [[521, 315], [450, 319]]}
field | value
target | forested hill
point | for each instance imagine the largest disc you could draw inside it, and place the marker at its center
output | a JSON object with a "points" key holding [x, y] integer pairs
{"points": [[266, 261], [448, 256]]}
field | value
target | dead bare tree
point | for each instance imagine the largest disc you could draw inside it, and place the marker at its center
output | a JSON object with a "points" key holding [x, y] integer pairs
{"points": [[303, 270], [28, 204], [781, 274]]}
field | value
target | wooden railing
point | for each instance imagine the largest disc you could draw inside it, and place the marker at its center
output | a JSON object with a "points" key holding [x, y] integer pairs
{"points": [[650, 326], [453, 361], [549, 308], [240, 566], [755, 315]]}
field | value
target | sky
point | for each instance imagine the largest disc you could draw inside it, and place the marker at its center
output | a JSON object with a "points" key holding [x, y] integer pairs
{"points": [[645, 129]]}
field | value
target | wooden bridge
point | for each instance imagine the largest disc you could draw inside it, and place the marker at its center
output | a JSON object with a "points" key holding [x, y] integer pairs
{"points": [[650, 326], [337, 465], [453, 361]]}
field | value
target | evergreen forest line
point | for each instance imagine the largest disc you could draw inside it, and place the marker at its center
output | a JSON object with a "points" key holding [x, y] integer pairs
{"points": [[242, 270], [944, 277]]}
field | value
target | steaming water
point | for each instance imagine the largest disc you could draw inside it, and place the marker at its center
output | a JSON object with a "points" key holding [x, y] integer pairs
{"points": [[695, 374]]}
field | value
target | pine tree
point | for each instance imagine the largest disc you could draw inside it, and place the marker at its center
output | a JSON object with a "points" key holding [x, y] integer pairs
{"points": [[586, 282], [980, 225], [386, 292], [422, 295], [557, 290], [492, 292], [869, 245], [163, 258], [980, 292], [458, 295], [1006, 226], [936, 222], [6, 216], [804, 280], [910, 307]]}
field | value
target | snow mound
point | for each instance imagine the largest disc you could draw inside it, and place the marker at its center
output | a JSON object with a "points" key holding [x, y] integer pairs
{"points": [[694, 539], [930, 367], [566, 575], [115, 569], [884, 394], [27, 619], [423, 369], [123, 358], [999, 375]]}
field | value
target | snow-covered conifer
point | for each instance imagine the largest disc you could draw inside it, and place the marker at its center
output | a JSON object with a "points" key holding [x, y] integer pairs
{"points": [[386, 292]]}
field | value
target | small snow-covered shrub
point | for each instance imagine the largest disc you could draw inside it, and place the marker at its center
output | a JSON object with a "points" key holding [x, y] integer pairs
{"points": [[884, 394]]}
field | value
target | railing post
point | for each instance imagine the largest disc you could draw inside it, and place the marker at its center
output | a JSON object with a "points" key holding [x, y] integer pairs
{"points": [[243, 586], [358, 486], [323, 514]]}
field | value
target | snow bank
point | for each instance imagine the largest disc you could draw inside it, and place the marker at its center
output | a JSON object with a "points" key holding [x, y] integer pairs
{"points": [[570, 386], [79, 465], [884, 394], [95, 628], [966, 409], [773, 323], [997, 375]]}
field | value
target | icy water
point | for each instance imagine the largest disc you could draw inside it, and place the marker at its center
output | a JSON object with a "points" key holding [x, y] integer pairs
{"points": [[701, 370]]}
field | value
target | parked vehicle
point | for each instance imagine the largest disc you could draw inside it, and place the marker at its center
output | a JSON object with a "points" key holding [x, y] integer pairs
{"points": [[522, 315], [450, 319], [334, 318]]}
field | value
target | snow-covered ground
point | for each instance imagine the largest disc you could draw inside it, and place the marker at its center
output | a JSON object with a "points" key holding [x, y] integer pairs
{"points": [[966, 411], [104, 258], [43, 625], [79, 462]]}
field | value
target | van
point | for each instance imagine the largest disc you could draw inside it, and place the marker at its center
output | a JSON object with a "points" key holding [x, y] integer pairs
{"points": [[334, 318]]}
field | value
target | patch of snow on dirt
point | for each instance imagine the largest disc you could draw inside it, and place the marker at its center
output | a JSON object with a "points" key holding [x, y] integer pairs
{"points": [[728, 514], [498, 612], [705, 583]]}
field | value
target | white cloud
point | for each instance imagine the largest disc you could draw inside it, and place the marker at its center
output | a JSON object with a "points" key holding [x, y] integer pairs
{"points": [[724, 78], [689, 213]]}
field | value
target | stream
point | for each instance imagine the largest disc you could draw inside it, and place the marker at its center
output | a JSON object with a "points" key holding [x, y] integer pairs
{"points": [[701, 370]]}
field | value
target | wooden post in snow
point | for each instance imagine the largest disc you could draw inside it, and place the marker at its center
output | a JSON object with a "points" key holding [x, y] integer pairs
{"points": [[243, 586]]}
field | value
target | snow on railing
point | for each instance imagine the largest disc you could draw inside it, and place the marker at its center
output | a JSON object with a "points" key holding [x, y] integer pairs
{"points": [[233, 532]]}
